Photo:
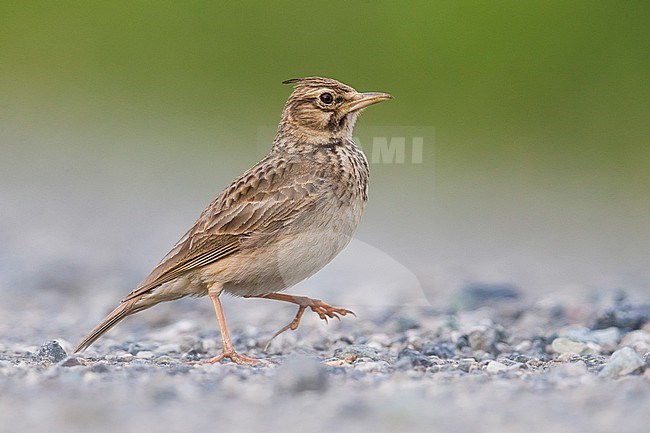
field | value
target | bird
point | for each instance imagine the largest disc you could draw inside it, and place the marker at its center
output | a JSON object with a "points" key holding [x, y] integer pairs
{"points": [[276, 224]]}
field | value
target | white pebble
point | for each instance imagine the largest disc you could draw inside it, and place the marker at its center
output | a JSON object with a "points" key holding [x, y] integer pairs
{"points": [[145, 354], [494, 367]]}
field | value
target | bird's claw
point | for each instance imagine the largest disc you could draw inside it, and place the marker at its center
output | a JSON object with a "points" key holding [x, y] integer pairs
{"points": [[324, 311], [319, 307]]}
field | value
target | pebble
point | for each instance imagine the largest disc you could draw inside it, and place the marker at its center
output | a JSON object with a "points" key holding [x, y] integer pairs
{"points": [[51, 352], [441, 350], [468, 365], [355, 351], [71, 361], [622, 362], [628, 317], [409, 358], [191, 355], [145, 354], [494, 367], [563, 345]]}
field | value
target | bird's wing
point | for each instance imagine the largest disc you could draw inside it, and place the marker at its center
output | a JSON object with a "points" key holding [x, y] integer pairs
{"points": [[266, 197]]}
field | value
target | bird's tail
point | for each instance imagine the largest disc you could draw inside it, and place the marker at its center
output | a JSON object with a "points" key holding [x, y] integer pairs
{"points": [[126, 308]]}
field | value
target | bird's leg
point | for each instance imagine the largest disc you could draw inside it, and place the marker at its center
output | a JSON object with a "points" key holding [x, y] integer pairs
{"points": [[317, 306], [228, 349]]}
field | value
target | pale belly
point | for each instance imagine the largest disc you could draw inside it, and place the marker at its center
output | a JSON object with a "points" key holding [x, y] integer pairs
{"points": [[294, 256]]}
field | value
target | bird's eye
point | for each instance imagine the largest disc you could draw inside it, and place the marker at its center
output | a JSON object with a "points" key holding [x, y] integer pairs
{"points": [[326, 98]]}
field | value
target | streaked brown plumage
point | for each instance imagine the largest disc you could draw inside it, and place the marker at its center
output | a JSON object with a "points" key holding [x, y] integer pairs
{"points": [[276, 224]]}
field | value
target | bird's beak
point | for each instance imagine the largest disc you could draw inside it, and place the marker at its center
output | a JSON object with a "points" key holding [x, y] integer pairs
{"points": [[363, 100]]}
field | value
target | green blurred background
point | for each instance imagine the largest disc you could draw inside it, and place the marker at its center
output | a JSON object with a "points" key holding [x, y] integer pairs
{"points": [[120, 120]]}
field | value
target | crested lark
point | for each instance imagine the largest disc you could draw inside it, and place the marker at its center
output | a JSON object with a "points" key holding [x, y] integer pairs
{"points": [[276, 224]]}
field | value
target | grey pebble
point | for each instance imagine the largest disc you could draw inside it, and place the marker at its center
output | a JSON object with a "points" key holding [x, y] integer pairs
{"points": [[622, 362], [70, 361], [191, 355], [441, 350], [355, 351], [409, 358], [627, 317], [51, 352], [468, 365]]}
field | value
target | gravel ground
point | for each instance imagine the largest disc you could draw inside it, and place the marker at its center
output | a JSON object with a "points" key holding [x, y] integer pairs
{"points": [[494, 361]]}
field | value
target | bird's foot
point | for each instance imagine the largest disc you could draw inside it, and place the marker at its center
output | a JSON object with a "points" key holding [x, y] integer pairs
{"points": [[325, 310], [233, 356], [319, 307]]}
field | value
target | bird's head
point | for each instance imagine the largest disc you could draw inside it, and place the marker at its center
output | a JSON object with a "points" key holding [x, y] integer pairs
{"points": [[322, 110]]}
